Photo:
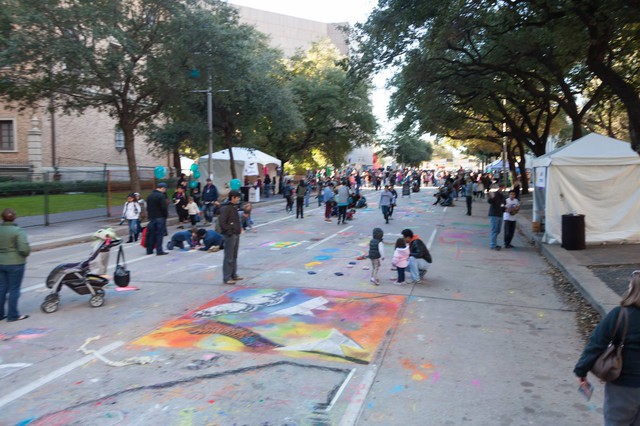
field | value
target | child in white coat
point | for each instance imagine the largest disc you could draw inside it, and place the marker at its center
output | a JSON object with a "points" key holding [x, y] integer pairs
{"points": [[400, 259]]}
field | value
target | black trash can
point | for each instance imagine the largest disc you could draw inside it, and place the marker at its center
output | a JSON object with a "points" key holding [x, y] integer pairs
{"points": [[573, 232]]}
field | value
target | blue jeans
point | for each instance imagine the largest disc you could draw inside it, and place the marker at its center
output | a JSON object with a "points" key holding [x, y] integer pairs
{"points": [[10, 281], [385, 213], [155, 234], [415, 266], [400, 274], [266, 191], [133, 228], [208, 211], [496, 225]]}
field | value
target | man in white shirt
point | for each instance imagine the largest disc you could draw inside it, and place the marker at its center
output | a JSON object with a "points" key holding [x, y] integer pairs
{"points": [[511, 208]]}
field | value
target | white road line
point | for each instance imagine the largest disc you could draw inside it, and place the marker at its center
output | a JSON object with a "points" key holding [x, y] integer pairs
{"points": [[344, 385], [273, 221], [289, 216], [433, 236], [329, 237], [55, 374], [357, 400]]}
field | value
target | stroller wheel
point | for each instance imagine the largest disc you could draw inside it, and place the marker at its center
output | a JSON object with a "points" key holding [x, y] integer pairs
{"points": [[50, 304], [97, 300]]}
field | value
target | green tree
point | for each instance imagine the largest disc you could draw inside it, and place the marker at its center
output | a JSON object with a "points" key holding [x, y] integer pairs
{"points": [[251, 101], [471, 68], [123, 57], [335, 106], [406, 148]]}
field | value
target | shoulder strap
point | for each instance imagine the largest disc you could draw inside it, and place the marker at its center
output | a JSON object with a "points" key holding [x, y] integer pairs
{"points": [[621, 314], [624, 313], [121, 254]]}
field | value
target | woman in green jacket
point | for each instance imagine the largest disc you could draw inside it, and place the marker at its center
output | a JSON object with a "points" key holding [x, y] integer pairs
{"points": [[14, 249]]}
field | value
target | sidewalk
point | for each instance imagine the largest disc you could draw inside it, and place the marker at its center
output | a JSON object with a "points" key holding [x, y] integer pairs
{"points": [[601, 273]]}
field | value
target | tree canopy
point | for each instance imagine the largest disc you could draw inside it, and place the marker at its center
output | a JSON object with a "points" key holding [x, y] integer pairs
{"points": [[468, 67], [127, 58]]}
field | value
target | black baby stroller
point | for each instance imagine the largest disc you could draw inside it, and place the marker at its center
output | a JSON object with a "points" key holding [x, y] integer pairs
{"points": [[78, 277]]}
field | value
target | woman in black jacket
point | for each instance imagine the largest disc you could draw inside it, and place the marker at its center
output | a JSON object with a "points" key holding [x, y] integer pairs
{"points": [[621, 396]]}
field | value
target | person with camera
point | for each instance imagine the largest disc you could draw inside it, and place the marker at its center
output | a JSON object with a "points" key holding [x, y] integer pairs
{"points": [[511, 208]]}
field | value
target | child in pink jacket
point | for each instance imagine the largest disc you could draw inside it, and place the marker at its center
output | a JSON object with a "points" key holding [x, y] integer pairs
{"points": [[400, 259]]}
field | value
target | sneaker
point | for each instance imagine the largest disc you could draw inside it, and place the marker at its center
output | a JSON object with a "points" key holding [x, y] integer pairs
{"points": [[327, 220], [374, 281], [213, 249], [230, 282], [496, 248], [401, 283], [508, 246], [237, 278]]}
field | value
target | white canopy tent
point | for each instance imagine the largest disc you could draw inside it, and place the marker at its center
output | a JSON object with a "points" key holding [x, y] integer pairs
{"points": [[220, 171], [596, 176], [254, 160]]}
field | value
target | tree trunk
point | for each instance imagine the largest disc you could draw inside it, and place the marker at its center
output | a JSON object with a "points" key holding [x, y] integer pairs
{"points": [[228, 141], [129, 147], [176, 161]]}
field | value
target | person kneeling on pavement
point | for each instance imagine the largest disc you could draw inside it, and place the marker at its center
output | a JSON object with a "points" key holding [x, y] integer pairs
{"points": [[211, 240], [179, 238], [419, 256]]}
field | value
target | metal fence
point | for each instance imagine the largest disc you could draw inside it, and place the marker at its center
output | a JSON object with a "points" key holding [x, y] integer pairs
{"points": [[68, 195]]}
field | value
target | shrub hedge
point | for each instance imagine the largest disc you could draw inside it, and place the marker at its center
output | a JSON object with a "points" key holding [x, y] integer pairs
{"points": [[32, 188]]}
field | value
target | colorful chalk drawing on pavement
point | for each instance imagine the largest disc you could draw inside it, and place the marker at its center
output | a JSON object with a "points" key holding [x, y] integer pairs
{"points": [[281, 244], [296, 322]]}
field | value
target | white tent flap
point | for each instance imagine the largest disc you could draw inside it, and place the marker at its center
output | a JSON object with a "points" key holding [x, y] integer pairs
{"points": [[596, 176]]}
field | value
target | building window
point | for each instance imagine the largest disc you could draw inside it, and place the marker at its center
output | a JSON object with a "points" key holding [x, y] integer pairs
{"points": [[119, 139], [7, 140]]}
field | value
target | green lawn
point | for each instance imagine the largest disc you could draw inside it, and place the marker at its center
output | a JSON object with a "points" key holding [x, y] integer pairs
{"points": [[32, 205]]}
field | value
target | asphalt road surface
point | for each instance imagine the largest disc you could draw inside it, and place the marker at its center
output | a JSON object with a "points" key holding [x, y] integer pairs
{"points": [[305, 338]]}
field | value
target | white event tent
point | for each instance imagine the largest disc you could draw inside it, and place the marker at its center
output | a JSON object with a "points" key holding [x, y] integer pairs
{"points": [[596, 176], [247, 162], [254, 160]]}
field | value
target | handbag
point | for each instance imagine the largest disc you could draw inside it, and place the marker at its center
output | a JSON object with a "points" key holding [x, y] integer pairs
{"points": [[121, 276], [609, 364]]}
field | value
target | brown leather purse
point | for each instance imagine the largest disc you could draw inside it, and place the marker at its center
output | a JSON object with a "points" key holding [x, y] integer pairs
{"points": [[609, 364]]}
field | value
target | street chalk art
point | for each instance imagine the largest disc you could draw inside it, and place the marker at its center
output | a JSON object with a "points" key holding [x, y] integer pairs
{"points": [[281, 244], [296, 322]]}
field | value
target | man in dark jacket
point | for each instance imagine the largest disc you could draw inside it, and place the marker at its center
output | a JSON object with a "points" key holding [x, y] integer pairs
{"points": [[496, 209], [419, 258], [209, 198], [229, 221], [158, 211]]}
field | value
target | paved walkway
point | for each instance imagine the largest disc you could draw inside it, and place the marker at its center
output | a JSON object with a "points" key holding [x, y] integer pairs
{"points": [[601, 273]]}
